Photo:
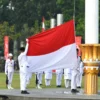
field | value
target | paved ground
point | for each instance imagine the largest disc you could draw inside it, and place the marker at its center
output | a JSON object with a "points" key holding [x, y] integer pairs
{"points": [[47, 94]]}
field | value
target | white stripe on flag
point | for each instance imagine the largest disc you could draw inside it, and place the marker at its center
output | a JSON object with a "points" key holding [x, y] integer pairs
{"points": [[63, 58]]}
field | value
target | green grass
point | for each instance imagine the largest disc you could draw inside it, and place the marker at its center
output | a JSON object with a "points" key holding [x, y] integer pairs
{"points": [[16, 82]]}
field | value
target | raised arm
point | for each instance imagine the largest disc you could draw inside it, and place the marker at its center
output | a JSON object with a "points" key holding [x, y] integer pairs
{"points": [[26, 48]]}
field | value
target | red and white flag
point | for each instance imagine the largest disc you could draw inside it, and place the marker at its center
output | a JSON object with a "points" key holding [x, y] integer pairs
{"points": [[43, 24], [53, 49]]}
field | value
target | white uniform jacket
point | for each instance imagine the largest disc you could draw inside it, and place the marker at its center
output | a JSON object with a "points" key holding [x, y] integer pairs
{"points": [[23, 64], [9, 66], [78, 63], [81, 67]]}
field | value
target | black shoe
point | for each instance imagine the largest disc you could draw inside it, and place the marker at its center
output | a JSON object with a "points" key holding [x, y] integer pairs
{"points": [[74, 91], [58, 85], [24, 92], [78, 87]]}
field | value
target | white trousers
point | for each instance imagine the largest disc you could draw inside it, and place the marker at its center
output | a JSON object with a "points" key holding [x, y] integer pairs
{"points": [[10, 77], [67, 83], [23, 81], [39, 76], [79, 79], [58, 78], [29, 75], [73, 79], [47, 82]]}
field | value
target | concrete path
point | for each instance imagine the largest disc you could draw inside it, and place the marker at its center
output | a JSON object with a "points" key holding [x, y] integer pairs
{"points": [[47, 94]]}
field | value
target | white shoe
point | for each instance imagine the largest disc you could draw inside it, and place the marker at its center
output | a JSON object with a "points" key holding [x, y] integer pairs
{"points": [[67, 87], [8, 87], [11, 88], [38, 87]]}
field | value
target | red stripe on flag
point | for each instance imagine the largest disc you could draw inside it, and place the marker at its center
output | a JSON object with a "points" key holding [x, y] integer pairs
{"points": [[52, 39]]}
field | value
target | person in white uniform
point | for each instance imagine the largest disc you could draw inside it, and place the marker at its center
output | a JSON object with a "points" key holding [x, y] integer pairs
{"points": [[67, 77], [48, 77], [75, 71], [38, 80], [24, 68], [79, 76], [9, 69], [59, 73], [40, 77]]}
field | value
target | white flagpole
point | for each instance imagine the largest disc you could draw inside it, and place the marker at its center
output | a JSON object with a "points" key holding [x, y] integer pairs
{"points": [[43, 24]]}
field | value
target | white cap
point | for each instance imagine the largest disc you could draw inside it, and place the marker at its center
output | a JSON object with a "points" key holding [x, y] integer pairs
{"points": [[10, 54]]}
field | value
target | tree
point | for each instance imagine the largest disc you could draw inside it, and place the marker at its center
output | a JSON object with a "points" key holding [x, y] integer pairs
{"points": [[30, 11], [4, 30]]}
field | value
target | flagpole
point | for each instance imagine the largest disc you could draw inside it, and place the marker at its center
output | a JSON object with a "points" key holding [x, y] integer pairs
{"points": [[43, 24], [52, 23], [74, 16]]}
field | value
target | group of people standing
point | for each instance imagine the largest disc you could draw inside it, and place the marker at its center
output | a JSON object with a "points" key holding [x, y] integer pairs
{"points": [[72, 77], [23, 66]]}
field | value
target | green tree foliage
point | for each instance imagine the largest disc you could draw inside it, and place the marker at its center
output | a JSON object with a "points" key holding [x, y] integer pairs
{"points": [[80, 18], [24, 17], [7, 30], [4, 30]]}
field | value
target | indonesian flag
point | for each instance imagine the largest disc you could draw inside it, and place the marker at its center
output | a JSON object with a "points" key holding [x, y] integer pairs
{"points": [[43, 24], [53, 49]]}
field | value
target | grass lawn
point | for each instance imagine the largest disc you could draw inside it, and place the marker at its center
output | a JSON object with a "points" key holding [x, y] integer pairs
{"points": [[16, 82]]}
